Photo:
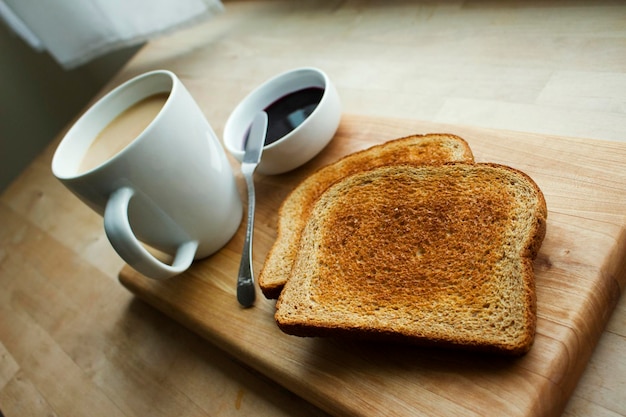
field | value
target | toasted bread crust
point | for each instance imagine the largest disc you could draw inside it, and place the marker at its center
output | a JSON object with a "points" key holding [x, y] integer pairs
{"points": [[437, 255], [415, 150]]}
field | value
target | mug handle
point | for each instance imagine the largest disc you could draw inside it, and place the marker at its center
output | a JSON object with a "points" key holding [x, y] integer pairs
{"points": [[126, 244]]}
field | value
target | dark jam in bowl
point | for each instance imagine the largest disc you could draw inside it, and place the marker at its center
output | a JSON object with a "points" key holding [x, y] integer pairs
{"points": [[289, 112]]}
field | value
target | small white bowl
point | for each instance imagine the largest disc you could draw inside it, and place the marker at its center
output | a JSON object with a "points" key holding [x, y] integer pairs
{"points": [[302, 143]]}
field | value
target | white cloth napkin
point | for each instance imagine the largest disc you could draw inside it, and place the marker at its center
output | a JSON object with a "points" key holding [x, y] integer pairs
{"points": [[76, 31]]}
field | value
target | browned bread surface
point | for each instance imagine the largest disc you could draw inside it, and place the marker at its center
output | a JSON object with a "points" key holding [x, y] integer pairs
{"points": [[294, 212], [431, 254]]}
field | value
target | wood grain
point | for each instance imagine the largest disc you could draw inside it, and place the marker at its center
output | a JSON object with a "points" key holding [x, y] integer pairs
{"points": [[75, 342], [579, 272]]}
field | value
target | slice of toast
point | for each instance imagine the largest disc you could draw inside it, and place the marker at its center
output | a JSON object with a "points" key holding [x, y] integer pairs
{"points": [[294, 211], [438, 255]]}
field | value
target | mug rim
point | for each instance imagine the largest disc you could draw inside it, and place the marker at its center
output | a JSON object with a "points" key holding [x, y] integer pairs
{"points": [[70, 149]]}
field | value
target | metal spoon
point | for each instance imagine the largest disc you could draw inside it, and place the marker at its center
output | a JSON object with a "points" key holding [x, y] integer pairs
{"points": [[251, 158]]}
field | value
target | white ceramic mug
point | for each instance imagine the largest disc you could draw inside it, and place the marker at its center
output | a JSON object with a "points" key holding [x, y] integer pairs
{"points": [[171, 188], [302, 143]]}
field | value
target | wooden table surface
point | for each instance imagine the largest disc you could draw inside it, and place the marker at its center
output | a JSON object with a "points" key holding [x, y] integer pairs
{"points": [[74, 342]]}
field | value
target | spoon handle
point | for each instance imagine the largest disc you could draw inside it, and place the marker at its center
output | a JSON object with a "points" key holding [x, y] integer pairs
{"points": [[254, 148], [245, 279]]}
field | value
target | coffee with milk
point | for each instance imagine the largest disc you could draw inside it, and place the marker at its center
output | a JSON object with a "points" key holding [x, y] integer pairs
{"points": [[122, 130]]}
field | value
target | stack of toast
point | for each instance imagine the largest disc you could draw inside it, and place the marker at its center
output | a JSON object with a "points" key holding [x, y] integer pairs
{"points": [[410, 240]]}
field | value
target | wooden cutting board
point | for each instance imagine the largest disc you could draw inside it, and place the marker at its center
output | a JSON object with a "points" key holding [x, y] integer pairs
{"points": [[579, 274]]}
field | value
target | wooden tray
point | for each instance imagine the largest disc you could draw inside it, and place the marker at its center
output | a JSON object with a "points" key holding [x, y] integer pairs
{"points": [[579, 272]]}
